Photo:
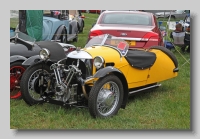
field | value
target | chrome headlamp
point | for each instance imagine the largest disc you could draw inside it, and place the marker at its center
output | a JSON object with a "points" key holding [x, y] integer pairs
{"points": [[98, 62], [44, 54]]}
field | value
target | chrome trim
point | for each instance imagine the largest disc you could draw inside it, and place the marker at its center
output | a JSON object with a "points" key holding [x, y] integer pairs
{"points": [[127, 38], [102, 59], [79, 55], [153, 86], [104, 39]]}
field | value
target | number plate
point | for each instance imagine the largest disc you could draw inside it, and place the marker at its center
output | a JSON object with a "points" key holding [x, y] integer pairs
{"points": [[116, 42], [131, 43]]}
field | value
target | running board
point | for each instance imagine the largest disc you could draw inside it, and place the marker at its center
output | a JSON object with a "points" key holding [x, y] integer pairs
{"points": [[142, 89]]}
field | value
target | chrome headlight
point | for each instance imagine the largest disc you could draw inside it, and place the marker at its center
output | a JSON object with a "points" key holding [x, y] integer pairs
{"points": [[44, 54], [98, 62]]}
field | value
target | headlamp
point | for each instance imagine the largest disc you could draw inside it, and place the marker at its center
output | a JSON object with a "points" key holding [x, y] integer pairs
{"points": [[44, 54], [98, 62]]}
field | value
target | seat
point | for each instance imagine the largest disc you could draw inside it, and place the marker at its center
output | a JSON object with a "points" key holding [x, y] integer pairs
{"points": [[178, 41], [178, 38]]}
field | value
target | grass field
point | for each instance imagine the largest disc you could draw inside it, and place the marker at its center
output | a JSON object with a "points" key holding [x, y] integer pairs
{"points": [[167, 107]]}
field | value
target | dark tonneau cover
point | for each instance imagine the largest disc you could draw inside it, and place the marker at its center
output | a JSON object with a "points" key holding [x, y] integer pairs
{"points": [[140, 59]]}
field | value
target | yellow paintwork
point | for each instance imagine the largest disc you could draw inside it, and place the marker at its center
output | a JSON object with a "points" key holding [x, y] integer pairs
{"points": [[161, 70]]}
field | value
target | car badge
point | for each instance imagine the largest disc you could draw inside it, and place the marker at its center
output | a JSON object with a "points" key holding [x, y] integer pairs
{"points": [[123, 34]]}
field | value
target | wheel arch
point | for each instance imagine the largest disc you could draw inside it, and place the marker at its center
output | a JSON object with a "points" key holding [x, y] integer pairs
{"points": [[111, 70], [17, 58], [125, 87], [73, 26], [58, 32]]}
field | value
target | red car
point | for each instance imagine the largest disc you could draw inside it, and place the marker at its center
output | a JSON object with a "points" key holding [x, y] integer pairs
{"points": [[139, 29], [91, 11]]}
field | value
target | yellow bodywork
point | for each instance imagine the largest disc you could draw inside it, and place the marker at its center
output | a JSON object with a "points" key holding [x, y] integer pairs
{"points": [[161, 70]]}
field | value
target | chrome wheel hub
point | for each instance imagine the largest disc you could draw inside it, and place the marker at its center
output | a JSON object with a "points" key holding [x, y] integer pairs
{"points": [[108, 98]]}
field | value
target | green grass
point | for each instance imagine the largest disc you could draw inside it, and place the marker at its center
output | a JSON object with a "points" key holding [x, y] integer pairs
{"points": [[167, 107]]}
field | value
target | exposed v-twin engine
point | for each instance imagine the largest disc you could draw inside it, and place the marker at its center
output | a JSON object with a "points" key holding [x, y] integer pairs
{"points": [[64, 90]]}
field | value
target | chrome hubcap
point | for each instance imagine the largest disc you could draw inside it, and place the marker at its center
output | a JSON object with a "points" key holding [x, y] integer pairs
{"points": [[108, 98]]}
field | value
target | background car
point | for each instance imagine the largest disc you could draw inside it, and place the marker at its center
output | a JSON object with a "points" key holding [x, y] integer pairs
{"points": [[76, 15], [139, 29], [57, 25], [91, 11], [186, 22], [20, 46], [174, 14], [48, 25]]}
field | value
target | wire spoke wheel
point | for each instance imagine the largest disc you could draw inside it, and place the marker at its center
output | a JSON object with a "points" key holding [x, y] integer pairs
{"points": [[33, 85], [105, 97], [15, 77], [108, 98]]}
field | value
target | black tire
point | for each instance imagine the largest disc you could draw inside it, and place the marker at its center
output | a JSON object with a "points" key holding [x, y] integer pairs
{"points": [[16, 72], [81, 27], [76, 38], [64, 36], [167, 52], [172, 17], [108, 97], [33, 69], [70, 29]]}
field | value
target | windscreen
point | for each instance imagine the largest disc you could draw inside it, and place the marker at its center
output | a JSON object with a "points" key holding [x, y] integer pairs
{"points": [[22, 36], [127, 19], [109, 41]]}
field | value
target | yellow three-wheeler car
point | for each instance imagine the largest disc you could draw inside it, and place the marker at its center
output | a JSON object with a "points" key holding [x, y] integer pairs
{"points": [[100, 76]]}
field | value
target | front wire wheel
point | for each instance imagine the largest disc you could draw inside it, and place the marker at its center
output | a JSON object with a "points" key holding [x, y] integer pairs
{"points": [[106, 97], [30, 84]]}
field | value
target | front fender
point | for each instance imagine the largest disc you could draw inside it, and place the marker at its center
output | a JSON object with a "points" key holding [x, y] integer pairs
{"points": [[31, 60], [59, 32], [17, 58], [102, 72]]}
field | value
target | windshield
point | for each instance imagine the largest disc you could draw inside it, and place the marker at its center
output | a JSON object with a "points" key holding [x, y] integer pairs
{"points": [[109, 41], [22, 36], [127, 19], [179, 11]]}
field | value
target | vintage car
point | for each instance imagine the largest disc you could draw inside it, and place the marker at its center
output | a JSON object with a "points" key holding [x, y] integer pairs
{"points": [[49, 25], [186, 22], [75, 15], [175, 14], [100, 76], [22, 47]]}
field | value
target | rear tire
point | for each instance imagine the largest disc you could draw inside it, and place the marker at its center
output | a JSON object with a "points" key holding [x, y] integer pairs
{"points": [[64, 36], [29, 84], [81, 28], [75, 39]]}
